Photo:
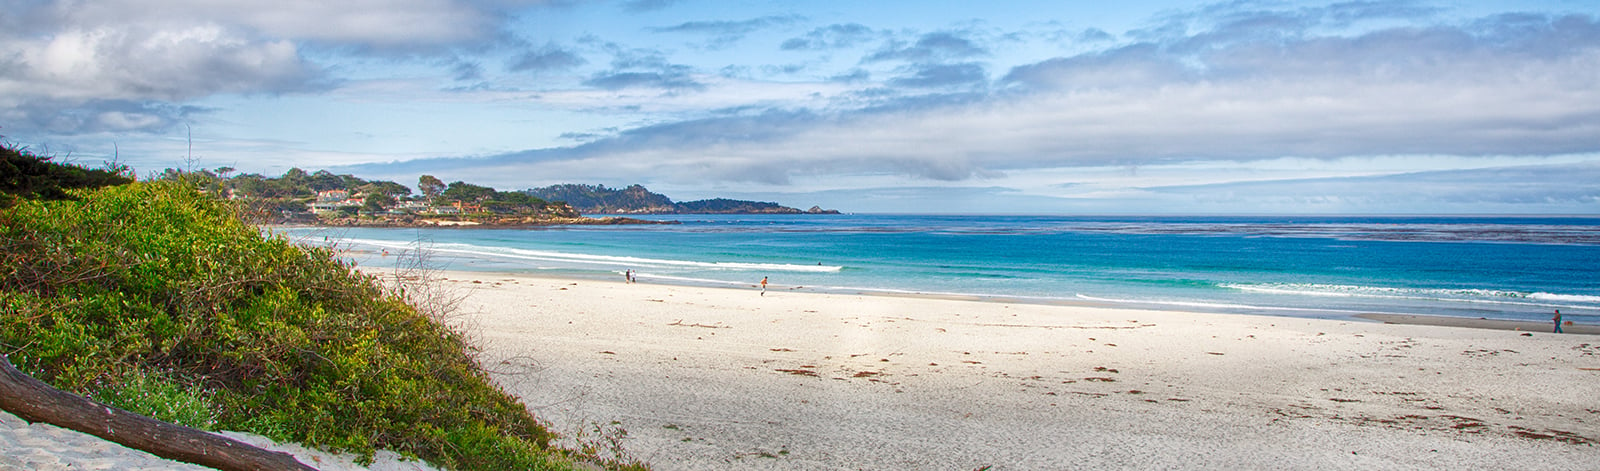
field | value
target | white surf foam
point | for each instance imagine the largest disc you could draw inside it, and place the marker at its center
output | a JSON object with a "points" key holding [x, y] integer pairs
{"points": [[1481, 296], [591, 259]]}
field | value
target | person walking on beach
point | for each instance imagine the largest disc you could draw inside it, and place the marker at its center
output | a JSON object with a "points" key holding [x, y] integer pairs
{"points": [[1557, 320], [763, 286]]}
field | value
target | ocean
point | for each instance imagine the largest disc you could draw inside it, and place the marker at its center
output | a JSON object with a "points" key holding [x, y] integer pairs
{"points": [[1513, 268]]}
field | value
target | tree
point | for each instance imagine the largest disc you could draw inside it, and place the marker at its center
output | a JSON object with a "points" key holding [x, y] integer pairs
{"points": [[295, 183], [518, 198], [376, 202], [295, 176], [293, 206], [251, 185], [351, 182], [430, 186], [324, 180], [387, 188], [467, 192]]}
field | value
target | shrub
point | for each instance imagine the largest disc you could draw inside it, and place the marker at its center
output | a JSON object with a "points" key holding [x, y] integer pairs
{"points": [[153, 396], [24, 174], [100, 292]]}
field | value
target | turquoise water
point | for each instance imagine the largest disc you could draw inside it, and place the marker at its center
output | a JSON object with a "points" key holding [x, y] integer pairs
{"points": [[1499, 268]]}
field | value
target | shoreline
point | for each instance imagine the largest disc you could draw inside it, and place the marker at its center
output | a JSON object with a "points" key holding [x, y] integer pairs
{"points": [[691, 377], [1385, 318], [496, 252], [1480, 323], [471, 223]]}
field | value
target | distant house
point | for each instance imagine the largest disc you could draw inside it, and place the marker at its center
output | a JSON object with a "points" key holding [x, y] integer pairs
{"points": [[332, 200], [331, 196]]}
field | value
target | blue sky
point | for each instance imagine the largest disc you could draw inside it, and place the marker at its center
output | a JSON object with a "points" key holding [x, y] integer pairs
{"points": [[1142, 107]]}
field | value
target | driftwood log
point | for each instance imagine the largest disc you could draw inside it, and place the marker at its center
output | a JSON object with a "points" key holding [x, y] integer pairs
{"points": [[35, 401]]}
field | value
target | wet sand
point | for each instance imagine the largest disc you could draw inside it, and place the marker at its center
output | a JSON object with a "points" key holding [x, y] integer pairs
{"points": [[1521, 326]]}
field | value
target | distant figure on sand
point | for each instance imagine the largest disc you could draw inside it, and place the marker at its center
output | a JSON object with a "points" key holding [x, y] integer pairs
{"points": [[1557, 320], [764, 289]]}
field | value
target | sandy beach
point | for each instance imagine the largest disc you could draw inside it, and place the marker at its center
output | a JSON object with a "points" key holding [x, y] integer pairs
{"points": [[719, 378], [698, 378]]}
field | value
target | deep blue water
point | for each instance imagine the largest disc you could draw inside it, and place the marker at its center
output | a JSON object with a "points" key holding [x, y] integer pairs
{"points": [[1506, 268]]}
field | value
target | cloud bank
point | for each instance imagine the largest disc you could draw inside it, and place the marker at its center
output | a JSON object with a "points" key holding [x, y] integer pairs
{"points": [[1504, 85]]}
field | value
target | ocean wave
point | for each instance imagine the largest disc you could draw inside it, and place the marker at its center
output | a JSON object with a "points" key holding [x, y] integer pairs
{"points": [[690, 280], [590, 259], [1571, 298], [1380, 230], [1470, 295], [1375, 231], [1209, 305]]}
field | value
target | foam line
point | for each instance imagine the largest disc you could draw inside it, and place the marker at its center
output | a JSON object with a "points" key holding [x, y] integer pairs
{"points": [[1482, 296], [548, 256]]}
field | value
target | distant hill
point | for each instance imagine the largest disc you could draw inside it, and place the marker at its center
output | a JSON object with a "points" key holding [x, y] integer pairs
{"points": [[636, 199]]}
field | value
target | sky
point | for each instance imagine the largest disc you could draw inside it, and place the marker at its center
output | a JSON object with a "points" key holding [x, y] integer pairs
{"points": [[1036, 107]]}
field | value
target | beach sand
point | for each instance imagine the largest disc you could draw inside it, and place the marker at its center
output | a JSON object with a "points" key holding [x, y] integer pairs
{"points": [[717, 378], [1481, 323]]}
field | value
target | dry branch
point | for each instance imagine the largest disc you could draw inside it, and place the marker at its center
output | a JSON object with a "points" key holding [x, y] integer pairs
{"points": [[35, 401]]}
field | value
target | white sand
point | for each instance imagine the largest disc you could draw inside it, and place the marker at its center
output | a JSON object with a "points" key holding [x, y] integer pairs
{"points": [[704, 378]]}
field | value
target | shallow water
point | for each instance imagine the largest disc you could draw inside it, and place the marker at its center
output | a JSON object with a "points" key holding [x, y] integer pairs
{"points": [[1500, 268]]}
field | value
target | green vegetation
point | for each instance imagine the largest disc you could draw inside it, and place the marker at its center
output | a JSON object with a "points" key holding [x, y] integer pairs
{"points": [[728, 206], [162, 399], [635, 199], [602, 200], [24, 174], [158, 298], [323, 197]]}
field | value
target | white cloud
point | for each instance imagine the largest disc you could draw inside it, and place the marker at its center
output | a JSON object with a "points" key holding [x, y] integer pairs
{"points": [[145, 64], [1458, 93], [66, 62], [721, 93], [376, 23]]}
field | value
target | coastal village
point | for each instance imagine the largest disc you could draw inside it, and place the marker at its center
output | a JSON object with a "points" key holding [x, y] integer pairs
{"points": [[351, 208], [324, 198]]}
